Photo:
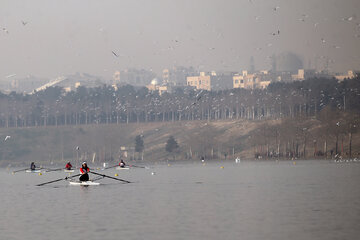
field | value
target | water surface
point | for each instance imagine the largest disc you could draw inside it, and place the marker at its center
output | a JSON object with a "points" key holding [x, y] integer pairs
{"points": [[250, 200]]}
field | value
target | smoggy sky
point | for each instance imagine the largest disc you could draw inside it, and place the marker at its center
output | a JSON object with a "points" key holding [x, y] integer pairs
{"points": [[50, 38]]}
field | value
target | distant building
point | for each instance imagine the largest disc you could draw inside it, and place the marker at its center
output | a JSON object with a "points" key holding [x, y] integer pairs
{"points": [[176, 76], [259, 80], [202, 81], [303, 74], [166, 76], [133, 76], [221, 80], [154, 86], [350, 74], [116, 77], [71, 82]]}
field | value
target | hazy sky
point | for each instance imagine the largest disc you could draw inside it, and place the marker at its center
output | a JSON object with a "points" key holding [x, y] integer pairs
{"points": [[49, 38]]}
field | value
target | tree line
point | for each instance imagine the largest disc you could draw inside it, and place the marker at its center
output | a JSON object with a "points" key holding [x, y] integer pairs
{"points": [[127, 104]]}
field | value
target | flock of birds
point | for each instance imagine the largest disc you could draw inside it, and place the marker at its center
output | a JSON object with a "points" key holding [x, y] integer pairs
{"points": [[176, 43]]}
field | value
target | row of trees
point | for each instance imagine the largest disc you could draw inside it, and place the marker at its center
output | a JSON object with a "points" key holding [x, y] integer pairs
{"points": [[105, 105], [329, 135]]}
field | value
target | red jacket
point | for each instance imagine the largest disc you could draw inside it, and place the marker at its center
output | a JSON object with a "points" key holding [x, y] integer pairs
{"points": [[68, 166], [82, 171]]}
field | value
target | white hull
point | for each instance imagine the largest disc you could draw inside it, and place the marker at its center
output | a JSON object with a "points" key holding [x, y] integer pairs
{"points": [[69, 171], [34, 171], [122, 168], [85, 183]]}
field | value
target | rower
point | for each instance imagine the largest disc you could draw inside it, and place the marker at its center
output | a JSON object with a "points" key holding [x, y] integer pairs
{"points": [[122, 163], [84, 172], [68, 166], [32, 166]]}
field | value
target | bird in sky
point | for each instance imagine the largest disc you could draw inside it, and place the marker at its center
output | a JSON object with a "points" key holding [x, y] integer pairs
{"points": [[11, 75], [5, 30], [114, 53], [24, 23], [7, 137]]}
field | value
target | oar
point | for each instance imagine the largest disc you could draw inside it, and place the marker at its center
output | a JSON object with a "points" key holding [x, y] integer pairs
{"points": [[103, 175], [111, 166], [20, 170], [57, 180]]}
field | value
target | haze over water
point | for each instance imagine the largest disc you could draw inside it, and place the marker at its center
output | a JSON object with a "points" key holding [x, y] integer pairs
{"points": [[250, 200]]}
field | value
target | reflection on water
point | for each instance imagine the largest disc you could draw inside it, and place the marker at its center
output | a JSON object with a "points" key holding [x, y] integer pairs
{"points": [[249, 200]]}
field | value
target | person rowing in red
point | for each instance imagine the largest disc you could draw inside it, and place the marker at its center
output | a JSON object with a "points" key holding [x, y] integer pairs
{"points": [[68, 166], [122, 163], [84, 172]]}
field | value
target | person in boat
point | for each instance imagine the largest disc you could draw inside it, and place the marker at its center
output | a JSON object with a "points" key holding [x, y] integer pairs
{"points": [[32, 166], [68, 166], [84, 172], [122, 163]]}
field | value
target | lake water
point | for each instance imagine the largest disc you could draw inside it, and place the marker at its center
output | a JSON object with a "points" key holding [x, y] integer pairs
{"points": [[249, 200]]}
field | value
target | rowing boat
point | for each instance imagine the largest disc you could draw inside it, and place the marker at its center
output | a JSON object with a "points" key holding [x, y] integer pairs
{"points": [[34, 171], [69, 171], [122, 168], [84, 183]]}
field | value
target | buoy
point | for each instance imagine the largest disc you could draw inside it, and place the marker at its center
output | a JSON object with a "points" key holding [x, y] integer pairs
{"points": [[222, 167], [116, 174], [40, 173], [203, 160], [153, 173]]}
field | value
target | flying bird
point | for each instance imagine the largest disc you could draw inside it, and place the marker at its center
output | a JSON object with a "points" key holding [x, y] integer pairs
{"points": [[114, 53], [24, 23], [11, 75], [348, 19], [7, 137]]}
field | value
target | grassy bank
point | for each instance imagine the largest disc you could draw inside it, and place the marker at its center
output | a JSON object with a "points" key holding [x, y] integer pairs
{"points": [[214, 140]]}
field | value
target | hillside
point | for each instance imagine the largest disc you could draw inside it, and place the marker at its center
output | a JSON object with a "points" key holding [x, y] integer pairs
{"points": [[214, 140]]}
